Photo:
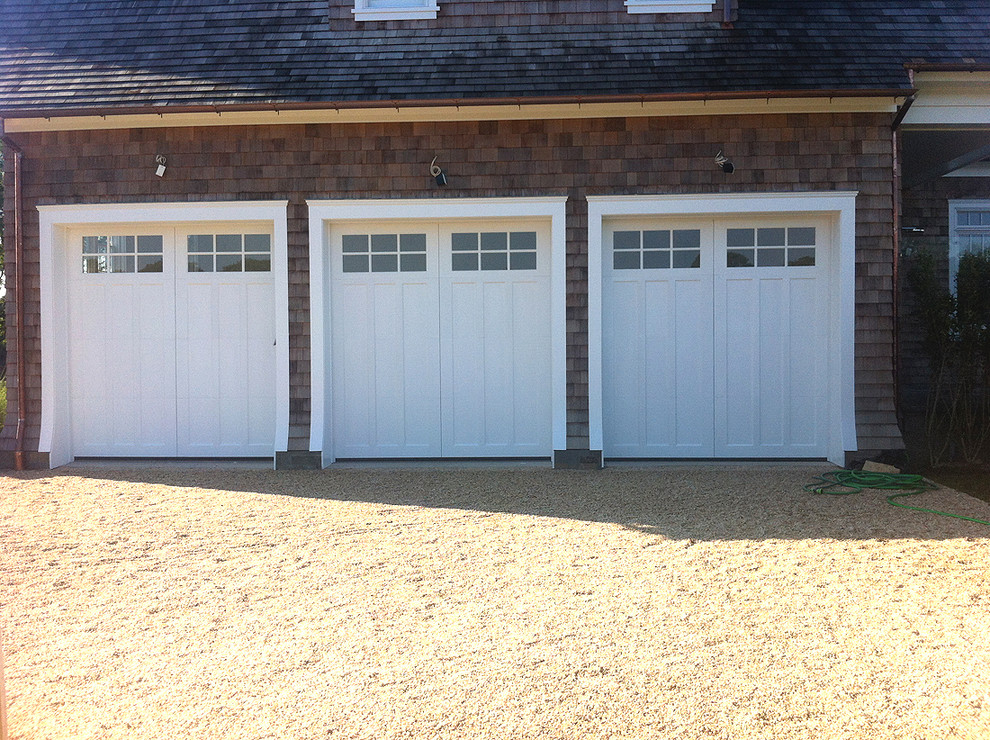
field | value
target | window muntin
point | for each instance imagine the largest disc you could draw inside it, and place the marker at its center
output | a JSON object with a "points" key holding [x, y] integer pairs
{"points": [[383, 253], [229, 252], [656, 249], [493, 250], [775, 246], [395, 10], [122, 254]]}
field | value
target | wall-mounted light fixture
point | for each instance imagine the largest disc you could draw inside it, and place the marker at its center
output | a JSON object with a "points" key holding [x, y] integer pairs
{"points": [[438, 174], [160, 161], [723, 163]]}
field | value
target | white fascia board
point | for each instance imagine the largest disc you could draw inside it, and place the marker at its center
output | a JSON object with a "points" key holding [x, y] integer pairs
{"points": [[950, 99], [325, 212], [838, 205], [412, 114], [54, 220]]}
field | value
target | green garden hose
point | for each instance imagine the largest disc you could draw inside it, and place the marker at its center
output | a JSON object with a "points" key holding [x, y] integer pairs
{"points": [[855, 481]]}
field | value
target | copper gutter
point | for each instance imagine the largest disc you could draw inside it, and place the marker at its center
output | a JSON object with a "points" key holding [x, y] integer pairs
{"points": [[452, 102], [19, 305]]}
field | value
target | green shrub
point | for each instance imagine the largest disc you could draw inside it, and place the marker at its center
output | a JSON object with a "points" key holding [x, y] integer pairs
{"points": [[956, 337]]}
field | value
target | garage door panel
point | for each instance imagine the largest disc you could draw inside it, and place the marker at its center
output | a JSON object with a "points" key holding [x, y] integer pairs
{"points": [[191, 353], [625, 386], [225, 354], [121, 366], [657, 342], [531, 368], [386, 403], [713, 359]]}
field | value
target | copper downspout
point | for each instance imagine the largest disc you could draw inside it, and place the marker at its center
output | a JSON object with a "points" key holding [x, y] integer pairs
{"points": [[895, 276], [19, 463]]}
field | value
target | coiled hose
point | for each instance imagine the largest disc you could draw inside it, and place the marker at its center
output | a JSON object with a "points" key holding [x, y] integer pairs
{"points": [[856, 481]]}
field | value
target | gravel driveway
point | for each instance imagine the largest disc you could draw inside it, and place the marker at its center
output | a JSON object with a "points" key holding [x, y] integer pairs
{"points": [[678, 602]]}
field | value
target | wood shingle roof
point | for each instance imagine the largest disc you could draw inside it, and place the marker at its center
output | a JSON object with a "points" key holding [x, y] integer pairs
{"points": [[101, 54]]}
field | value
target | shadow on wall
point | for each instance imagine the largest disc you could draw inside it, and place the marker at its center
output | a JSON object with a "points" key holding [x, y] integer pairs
{"points": [[687, 502]]}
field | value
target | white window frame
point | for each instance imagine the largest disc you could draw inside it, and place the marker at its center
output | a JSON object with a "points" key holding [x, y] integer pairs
{"points": [[955, 231], [669, 6], [839, 206], [55, 224], [387, 11]]}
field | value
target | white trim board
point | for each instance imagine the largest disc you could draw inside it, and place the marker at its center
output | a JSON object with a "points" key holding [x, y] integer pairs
{"points": [[324, 212], [55, 220], [459, 112], [840, 206], [950, 99]]}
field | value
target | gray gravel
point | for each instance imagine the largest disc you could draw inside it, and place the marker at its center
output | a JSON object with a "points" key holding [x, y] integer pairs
{"points": [[677, 602]]}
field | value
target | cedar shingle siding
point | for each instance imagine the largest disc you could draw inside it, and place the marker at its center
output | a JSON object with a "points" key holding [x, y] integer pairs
{"points": [[575, 158], [66, 57]]}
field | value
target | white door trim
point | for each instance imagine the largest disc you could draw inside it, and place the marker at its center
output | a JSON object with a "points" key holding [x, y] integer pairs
{"points": [[323, 212], [54, 223], [840, 206]]}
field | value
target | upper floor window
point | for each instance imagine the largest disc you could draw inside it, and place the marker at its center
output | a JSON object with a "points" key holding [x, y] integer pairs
{"points": [[670, 6], [394, 10]]}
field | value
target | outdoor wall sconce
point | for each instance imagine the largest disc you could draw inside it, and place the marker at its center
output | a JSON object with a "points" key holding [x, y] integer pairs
{"points": [[723, 163], [160, 161], [438, 174]]}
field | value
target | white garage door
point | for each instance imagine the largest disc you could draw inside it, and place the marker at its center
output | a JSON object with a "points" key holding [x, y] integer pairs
{"points": [[714, 337], [440, 339], [171, 349]]}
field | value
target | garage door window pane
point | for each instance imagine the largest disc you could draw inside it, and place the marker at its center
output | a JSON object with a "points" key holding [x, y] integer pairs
{"points": [[464, 261], [384, 262], [740, 258], [354, 243], [625, 240], [355, 263], [229, 243], [770, 237], [149, 263], [257, 263], [94, 245], [687, 239], [522, 241], [94, 264], [497, 261], [656, 260], [800, 257], [200, 263], [228, 262], [494, 242], [464, 242], [522, 261], [740, 238], [200, 243], [121, 244], [771, 257], [384, 243], [257, 243], [149, 245], [625, 261], [801, 237], [686, 258]]}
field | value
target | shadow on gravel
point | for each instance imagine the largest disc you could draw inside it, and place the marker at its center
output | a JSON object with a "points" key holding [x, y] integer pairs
{"points": [[722, 502]]}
